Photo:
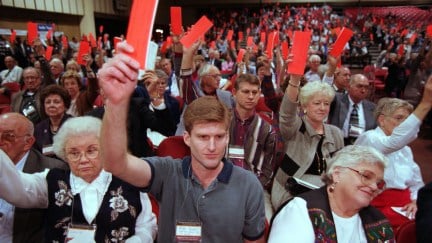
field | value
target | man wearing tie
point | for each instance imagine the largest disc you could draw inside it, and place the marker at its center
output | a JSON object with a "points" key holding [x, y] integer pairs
{"points": [[351, 112]]}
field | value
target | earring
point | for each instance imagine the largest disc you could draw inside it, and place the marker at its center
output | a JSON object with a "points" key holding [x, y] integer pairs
{"points": [[304, 111], [333, 186]]}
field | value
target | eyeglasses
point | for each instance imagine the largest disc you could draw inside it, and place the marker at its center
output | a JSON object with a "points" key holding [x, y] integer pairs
{"points": [[10, 136], [368, 178], [75, 156]]}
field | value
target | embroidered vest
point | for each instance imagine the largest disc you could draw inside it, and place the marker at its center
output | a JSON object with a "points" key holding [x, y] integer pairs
{"points": [[115, 219], [375, 225]]}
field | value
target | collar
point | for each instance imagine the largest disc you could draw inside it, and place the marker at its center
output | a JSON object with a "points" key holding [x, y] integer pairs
{"points": [[21, 163], [352, 102], [247, 121], [223, 176], [101, 183]]}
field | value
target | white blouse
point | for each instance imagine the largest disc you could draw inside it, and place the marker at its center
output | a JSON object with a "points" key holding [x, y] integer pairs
{"points": [[292, 224], [31, 191], [402, 171]]}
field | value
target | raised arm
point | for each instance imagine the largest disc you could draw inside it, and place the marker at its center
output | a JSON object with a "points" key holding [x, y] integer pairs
{"points": [[117, 80], [21, 189]]}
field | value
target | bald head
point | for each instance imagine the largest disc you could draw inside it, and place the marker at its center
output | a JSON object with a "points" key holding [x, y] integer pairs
{"points": [[16, 135]]}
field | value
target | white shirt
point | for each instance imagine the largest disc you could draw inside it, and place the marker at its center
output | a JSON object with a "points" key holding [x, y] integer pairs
{"points": [[11, 76], [8, 210], [292, 224], [175, 91], [31, 191], [402, 171], [361, 116]]}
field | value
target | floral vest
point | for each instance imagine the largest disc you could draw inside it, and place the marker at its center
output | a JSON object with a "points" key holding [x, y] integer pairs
{"points": [[115, 219], [375, 225]]}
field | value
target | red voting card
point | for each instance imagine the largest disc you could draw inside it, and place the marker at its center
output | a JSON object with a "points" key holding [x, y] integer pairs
{"points": [[285, 50], [270, 45], [299, 51], [116, 41], [65, 43], [101, 27], [13, 36], [49, 34], [401, 50], [164, 47], [230, 35], [233, 44], [48, 52], [169, 41], [140, 28], [176, 20], [343, 37], [32, 32], [429, 30], [263, 37], [250, 41], [199, 28], [213, 45], [240, 55], [84, 49], [92, 40], [240, 35]]}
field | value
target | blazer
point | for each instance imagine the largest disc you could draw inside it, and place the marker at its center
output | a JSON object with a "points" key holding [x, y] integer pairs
{"points": [[424, 214], [339, 112], [29, 223]]}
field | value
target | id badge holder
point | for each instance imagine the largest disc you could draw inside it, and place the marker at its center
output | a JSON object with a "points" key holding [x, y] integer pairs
{"points": [[235, 152], [78, 233], [48, 150], [188, 231]]}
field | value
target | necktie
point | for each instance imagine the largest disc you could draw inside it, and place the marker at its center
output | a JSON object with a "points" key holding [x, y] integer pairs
{"points": [[354, 119]]}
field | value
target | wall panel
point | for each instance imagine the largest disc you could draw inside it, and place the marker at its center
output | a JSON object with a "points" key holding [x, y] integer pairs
{"points": [[49, 5], [19, 3], [30, 4], [65, 6], [58, 6], [40, 5]]}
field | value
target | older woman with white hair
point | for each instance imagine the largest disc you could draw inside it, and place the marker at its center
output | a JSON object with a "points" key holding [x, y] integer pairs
{"points": [[338, 211], [86, 201], [309, 141], [398, 125]]}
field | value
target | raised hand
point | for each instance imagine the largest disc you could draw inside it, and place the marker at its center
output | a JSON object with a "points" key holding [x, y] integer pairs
{"points": [[118, 77]]}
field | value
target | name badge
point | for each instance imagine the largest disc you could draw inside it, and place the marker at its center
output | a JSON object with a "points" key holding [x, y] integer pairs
{"points": [[48, 150], [188, 231], [81, 233], [355, 131], [235, 152]]}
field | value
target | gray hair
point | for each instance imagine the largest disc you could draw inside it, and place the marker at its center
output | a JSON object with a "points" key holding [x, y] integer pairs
{"points": [[351, 156], [161, 74], [387, 106], [314, 57], [86, 125], [313, 88], [56, 60]]}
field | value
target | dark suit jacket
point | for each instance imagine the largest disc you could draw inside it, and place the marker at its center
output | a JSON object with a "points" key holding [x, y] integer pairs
{"points": [[29, 223], [340, 107], [424, 214], [140, 117]]}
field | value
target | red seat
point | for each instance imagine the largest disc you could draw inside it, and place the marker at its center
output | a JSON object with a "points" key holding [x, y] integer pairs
{"points": [[173, 146], [406, 233]]}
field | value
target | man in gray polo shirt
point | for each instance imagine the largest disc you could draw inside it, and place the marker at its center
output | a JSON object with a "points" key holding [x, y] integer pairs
{"points": [[203, 198]]}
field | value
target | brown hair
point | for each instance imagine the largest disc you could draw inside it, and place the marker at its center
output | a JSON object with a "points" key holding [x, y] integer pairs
{"points": [[247, 78], [54, 89], [206, 109], [72, 74]]}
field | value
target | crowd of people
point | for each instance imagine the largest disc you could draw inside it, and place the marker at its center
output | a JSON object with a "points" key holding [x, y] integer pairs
{"points": [[292, 157]]}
